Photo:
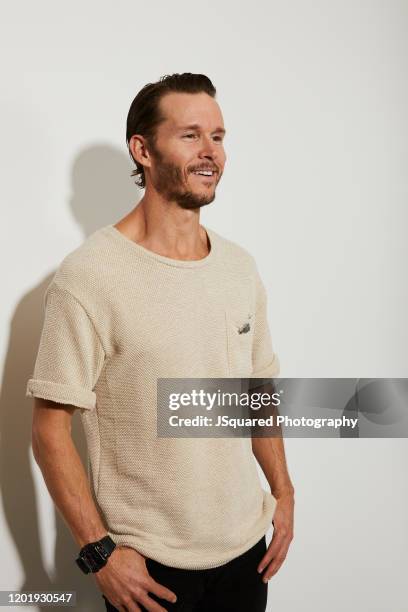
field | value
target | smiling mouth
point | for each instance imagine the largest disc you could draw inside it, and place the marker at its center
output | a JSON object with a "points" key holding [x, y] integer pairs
{"points": [[206, 174]]}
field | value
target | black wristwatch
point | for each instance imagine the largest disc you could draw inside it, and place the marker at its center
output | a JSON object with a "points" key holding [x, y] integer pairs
{"points": [[95, 555]]}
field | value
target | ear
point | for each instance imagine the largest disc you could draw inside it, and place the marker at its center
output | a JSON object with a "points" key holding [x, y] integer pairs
{"points": [[138, 148]]}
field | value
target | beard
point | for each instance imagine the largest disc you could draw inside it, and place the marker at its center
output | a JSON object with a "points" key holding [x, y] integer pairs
{"points": [[170, 183]]}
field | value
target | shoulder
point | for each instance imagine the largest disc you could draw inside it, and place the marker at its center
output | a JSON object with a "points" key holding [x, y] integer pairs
{"points": [[82, 268], [234, 254]]}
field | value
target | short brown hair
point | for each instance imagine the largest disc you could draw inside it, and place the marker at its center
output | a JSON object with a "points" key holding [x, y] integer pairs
{"points": [[144, 116]]}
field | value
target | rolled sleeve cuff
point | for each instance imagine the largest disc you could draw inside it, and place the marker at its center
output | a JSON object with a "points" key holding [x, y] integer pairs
{"points": [[61, 393], [269, 371]]}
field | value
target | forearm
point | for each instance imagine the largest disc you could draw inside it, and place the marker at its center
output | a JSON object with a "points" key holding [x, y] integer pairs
{"points": [[68, 485], [270, 454]]}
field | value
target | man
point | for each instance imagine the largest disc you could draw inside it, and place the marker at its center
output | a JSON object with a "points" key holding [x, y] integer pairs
{"points": [[164, 523]]}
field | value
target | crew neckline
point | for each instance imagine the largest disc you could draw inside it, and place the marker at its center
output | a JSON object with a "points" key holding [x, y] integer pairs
{"points": [[179, 263]]}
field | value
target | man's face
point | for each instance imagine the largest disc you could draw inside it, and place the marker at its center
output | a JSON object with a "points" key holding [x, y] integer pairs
{"points": [[190, 139]]}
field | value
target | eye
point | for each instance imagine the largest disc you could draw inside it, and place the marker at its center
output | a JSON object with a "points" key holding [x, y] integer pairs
{"points": [[189, 135], [218, 138]]}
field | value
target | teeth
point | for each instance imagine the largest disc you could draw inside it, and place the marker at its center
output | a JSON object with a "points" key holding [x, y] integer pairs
{"points": [[204, 172]]}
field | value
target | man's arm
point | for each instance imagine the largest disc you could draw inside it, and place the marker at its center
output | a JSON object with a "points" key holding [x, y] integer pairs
{"points": [[124, 580], [270, 454], [268, 448], [63, 471]]}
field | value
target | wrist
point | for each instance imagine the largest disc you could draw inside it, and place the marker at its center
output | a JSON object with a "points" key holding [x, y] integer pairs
{"points": [[285, 491], [94, 555], [91, 536]]}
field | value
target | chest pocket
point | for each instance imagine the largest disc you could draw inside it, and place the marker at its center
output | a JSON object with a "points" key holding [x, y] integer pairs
{"points": [[239, 327]]}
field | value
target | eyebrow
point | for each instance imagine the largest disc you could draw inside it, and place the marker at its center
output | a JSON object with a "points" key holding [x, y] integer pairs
{"points": [[195, 126]]}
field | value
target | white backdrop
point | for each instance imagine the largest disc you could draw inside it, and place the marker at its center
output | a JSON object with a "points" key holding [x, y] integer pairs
{"points": [[314, 96]]}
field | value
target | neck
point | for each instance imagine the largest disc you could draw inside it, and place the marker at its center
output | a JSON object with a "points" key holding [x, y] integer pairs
{"points": [[166, 229]]}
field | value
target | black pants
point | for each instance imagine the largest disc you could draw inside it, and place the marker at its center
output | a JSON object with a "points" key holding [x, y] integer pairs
{"points": [[235, 586]]}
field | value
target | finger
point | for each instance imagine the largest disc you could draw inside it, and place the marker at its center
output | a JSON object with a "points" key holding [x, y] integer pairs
{"points": [[266, 559], [273, 568], [160, 590], [150, 604], [120, 607], [271, 573], [274, 552], [270, 554], [129, 605]]}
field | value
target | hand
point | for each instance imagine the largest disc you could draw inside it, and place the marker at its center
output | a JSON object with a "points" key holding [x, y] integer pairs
{"points": [[125, 582], [282, 536]]}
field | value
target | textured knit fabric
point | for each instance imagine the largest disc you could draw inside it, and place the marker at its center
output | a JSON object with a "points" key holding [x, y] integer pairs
{"points": [[118, 317]]}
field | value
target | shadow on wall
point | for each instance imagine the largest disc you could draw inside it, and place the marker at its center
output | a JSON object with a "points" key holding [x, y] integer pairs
{"points": [[102, 192]]}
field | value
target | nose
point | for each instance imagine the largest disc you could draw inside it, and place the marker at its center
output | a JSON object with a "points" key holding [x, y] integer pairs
{"points": [[208, 149]]}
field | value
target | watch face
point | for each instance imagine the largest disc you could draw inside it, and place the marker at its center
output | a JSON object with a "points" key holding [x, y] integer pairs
{"points": [[100, 552], [94, 556]]}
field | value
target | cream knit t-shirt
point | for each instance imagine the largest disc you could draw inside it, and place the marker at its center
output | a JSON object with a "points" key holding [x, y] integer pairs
{"points": [[118, 317]]}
